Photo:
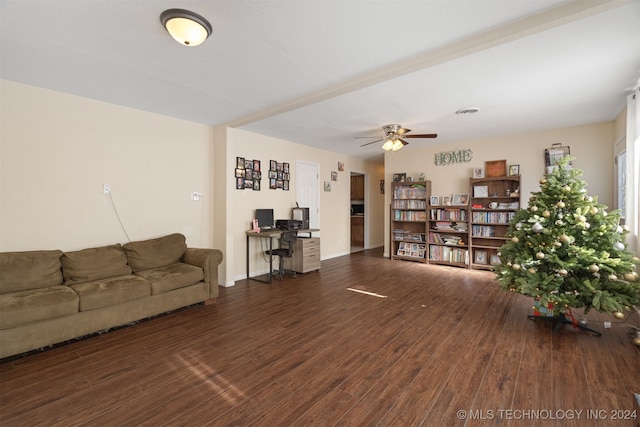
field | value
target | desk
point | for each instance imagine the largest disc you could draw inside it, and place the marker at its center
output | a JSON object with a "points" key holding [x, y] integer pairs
{"points": [[270, 234]]}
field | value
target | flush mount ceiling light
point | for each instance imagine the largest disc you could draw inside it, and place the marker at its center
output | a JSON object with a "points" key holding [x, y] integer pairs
{"points": [[186, 27]]}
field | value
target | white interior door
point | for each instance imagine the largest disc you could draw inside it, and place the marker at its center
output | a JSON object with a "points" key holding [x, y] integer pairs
{"points": [[307, 190]]}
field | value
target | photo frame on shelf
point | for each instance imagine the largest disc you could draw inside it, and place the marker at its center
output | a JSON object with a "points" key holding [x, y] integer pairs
{"points": [[478, 172], [495, 259], [399, 177], [434, 200], [480, 257], [480, 191], [446, 200], [514, 170], [460, 199]]}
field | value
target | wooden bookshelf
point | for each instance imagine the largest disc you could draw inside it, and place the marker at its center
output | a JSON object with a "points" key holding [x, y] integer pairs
{"points": [[449, 235], [494, 202], [409, 220]]}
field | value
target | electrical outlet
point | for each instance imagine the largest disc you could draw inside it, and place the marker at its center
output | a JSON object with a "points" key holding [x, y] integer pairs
{"points": [[607, 325], [106, 189], [195, 196]]}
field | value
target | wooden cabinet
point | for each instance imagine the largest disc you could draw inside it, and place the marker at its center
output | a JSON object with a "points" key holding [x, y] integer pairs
{"points": [[357, 230], [306, 255], [494, 203], [449, 235], [357, 187], [409, 220]]}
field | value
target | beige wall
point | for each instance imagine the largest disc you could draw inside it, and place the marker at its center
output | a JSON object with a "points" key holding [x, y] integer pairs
{"points": [[334, 205], [56, 151], [591, 145]]}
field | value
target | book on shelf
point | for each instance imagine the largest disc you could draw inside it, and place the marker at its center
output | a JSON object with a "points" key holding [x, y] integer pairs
{"points": [[452, 240], [460, 226], [482, 231], [448, 254]]}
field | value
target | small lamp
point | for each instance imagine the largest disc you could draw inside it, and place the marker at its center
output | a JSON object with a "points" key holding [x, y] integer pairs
{"points": [[186, 27]]}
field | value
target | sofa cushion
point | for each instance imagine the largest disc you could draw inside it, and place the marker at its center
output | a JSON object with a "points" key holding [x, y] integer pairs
{"points": [[154, 253], [111, 291], [20, 271], [93, 264], [18, 308], [165, 279]]}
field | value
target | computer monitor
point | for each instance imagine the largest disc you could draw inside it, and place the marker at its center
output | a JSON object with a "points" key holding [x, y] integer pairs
{"points": [[265, 219]]}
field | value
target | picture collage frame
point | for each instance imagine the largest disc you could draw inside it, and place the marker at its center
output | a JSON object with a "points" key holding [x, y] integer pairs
{"points": [[279, 175], [248, 174]]}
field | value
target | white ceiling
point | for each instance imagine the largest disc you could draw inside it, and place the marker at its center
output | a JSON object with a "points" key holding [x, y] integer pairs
{"points": [[320, 72]]}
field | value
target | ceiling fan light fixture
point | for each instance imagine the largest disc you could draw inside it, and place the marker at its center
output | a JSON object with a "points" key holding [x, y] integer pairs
{"points": [[397, 144], [388, 145], [186, 27]]}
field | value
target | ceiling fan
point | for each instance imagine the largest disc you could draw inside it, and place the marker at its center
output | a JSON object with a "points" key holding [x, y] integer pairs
{"points": [[394, 137]]}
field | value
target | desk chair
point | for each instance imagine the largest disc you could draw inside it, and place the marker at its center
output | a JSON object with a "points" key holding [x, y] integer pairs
{"points": [[285, 250]]}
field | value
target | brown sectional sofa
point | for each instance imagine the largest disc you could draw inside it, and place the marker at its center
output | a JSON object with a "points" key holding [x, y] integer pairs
{"points": [[47, 297]]}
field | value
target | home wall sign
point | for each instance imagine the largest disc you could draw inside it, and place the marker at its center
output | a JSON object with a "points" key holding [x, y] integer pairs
{"points": [[452, 157]]}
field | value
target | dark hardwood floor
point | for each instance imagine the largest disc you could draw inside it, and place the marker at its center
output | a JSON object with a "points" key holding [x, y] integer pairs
{"points": [[445, 347]]}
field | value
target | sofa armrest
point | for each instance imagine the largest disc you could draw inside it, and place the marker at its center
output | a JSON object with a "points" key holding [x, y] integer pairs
{"points": [[208, 260]]}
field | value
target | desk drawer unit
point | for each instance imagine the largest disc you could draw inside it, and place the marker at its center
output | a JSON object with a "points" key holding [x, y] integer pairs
{"points": [[306, 255]]}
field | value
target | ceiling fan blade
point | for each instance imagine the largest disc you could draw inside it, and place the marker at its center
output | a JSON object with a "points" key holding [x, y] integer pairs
{"points": [[422, 135], [372, 142], [357, 137], [402, 131], [403, 141]]}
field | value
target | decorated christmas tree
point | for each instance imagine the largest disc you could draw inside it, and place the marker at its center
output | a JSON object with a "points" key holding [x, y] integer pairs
{"points": [[565, 249]]}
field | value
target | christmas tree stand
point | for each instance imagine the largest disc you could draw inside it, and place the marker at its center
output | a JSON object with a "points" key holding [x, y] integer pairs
{"points": [[551, 314], [560, 320]]}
